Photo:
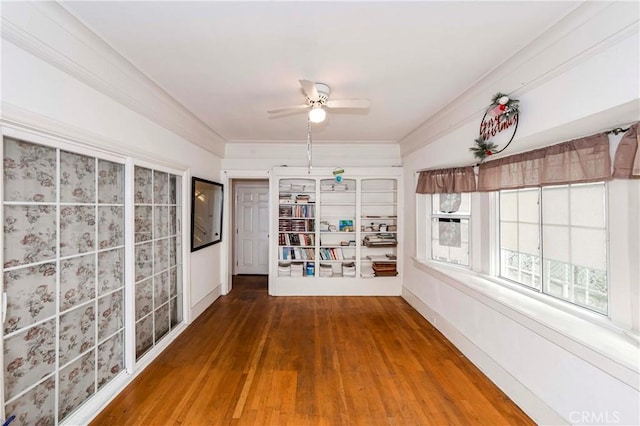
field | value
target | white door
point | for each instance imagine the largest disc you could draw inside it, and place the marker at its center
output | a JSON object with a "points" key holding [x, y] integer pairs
{"points": [[252, 228]]}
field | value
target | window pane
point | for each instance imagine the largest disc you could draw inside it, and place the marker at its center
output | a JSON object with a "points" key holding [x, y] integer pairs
{"points": [[519, 237], [450, 228], [574, 248], [449, 240]]}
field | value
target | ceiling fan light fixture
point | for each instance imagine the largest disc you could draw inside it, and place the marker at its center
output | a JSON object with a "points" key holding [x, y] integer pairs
{"points": [[317, 114]]}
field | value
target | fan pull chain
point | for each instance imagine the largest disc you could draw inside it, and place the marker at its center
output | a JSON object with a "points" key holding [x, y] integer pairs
{"points": [[308, 146]]}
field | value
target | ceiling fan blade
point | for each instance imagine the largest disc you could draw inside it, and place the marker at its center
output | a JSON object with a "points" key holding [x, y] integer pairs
{"points": [[310, 89], [289, 109], [349, 103]]}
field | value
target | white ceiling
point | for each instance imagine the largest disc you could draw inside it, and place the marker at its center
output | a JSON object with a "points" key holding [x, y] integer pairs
{"points": [[229, 62]]}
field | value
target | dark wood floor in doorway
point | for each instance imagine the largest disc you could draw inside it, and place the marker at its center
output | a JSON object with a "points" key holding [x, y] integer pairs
{"points": [[252, 359]]}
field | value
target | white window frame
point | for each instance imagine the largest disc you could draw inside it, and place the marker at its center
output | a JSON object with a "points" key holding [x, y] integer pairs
{"points": [[455, 216], [542, 270]]}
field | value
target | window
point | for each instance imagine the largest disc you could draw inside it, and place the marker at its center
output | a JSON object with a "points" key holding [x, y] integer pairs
{"points": [[554, 240], [450, 227]]}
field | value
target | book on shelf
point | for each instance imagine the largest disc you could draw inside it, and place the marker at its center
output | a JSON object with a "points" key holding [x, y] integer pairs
{"points": [[331, 254], [302, 239], [296, 225], [297, 270], [297, 253], [349, 269], [380, 240], [384, 269], [326, 270], [284, 269]]}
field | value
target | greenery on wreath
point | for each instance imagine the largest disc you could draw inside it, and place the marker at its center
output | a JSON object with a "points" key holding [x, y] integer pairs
{"points": [[483, 148], [503, 106]]}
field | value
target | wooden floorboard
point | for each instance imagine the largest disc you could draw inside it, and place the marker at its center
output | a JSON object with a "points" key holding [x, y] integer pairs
{"points": [[252, 359]]}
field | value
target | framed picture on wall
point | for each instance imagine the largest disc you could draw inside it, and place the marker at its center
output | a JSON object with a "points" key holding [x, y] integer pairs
{"points": [[206, 213]]}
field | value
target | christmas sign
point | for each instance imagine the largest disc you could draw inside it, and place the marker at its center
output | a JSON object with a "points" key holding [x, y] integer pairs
{"points": [[499, 123]]}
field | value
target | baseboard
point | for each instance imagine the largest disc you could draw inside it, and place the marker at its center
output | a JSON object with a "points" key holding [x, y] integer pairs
{"points": [[531, 404], [204, 303]]}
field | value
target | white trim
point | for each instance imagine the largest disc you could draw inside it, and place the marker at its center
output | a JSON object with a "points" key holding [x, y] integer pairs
{"points": [[586, 335], [33, 125], [205, 302], [226, 249], [518, 392], [19, 132]]}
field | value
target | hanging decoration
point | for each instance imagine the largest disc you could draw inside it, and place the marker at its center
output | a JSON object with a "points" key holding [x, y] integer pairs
{"points": [[308, 146], [337, 175], [501, 116]]}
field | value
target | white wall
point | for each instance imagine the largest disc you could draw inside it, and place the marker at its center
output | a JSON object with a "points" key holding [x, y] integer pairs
{"points": [[37, 95], [550, 376]]}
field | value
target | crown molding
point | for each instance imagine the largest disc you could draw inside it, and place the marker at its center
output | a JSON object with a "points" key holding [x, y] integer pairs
{"points": [[27, 121], [49, 32], [583, 33]]}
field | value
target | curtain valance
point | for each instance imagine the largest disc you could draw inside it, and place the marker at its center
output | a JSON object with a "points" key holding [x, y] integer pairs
{"points": [[579, 160], [446, 181], [626, 163]]}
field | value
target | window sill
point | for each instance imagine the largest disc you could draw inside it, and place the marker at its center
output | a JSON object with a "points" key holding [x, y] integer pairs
{"points": [[587, 335]]}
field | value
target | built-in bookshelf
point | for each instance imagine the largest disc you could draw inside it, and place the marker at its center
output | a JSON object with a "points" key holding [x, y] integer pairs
{"points": [[379, 227], [296, 227], [336, 237]]}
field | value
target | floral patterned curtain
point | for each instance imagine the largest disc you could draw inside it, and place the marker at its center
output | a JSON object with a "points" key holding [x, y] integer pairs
{"points": [[64, 279], [158, 305]]}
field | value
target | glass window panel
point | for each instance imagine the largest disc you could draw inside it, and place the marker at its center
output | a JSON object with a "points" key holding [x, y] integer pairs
{"points": [[555, 205], [77, 332], [110, 270], [110, 182], [555, 240], [29, 356], [29, 172], [528, 206], [509, 206], [587, 205], [110, 359], [143, 186], [77, 178], [144, 335], [160, 187], [77, 281], [29, 234], [76, 384], [110, 227], [40, 413], [588, 248], [30, 295], [143, 223], [110, 314], [77, 230], [509, 236], [528, 236]]}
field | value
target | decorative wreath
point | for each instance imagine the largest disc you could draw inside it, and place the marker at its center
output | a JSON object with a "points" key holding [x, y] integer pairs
{"points": [[502, 107]]}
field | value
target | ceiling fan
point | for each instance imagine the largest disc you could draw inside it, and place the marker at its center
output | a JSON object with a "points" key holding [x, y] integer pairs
{"points": [[318, 100]]}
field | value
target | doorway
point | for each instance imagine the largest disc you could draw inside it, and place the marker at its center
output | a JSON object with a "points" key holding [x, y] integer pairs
{"points": [[250, 227]]}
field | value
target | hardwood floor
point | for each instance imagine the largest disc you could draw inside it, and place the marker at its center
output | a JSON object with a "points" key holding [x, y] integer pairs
{"points": [[251, 359]]}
